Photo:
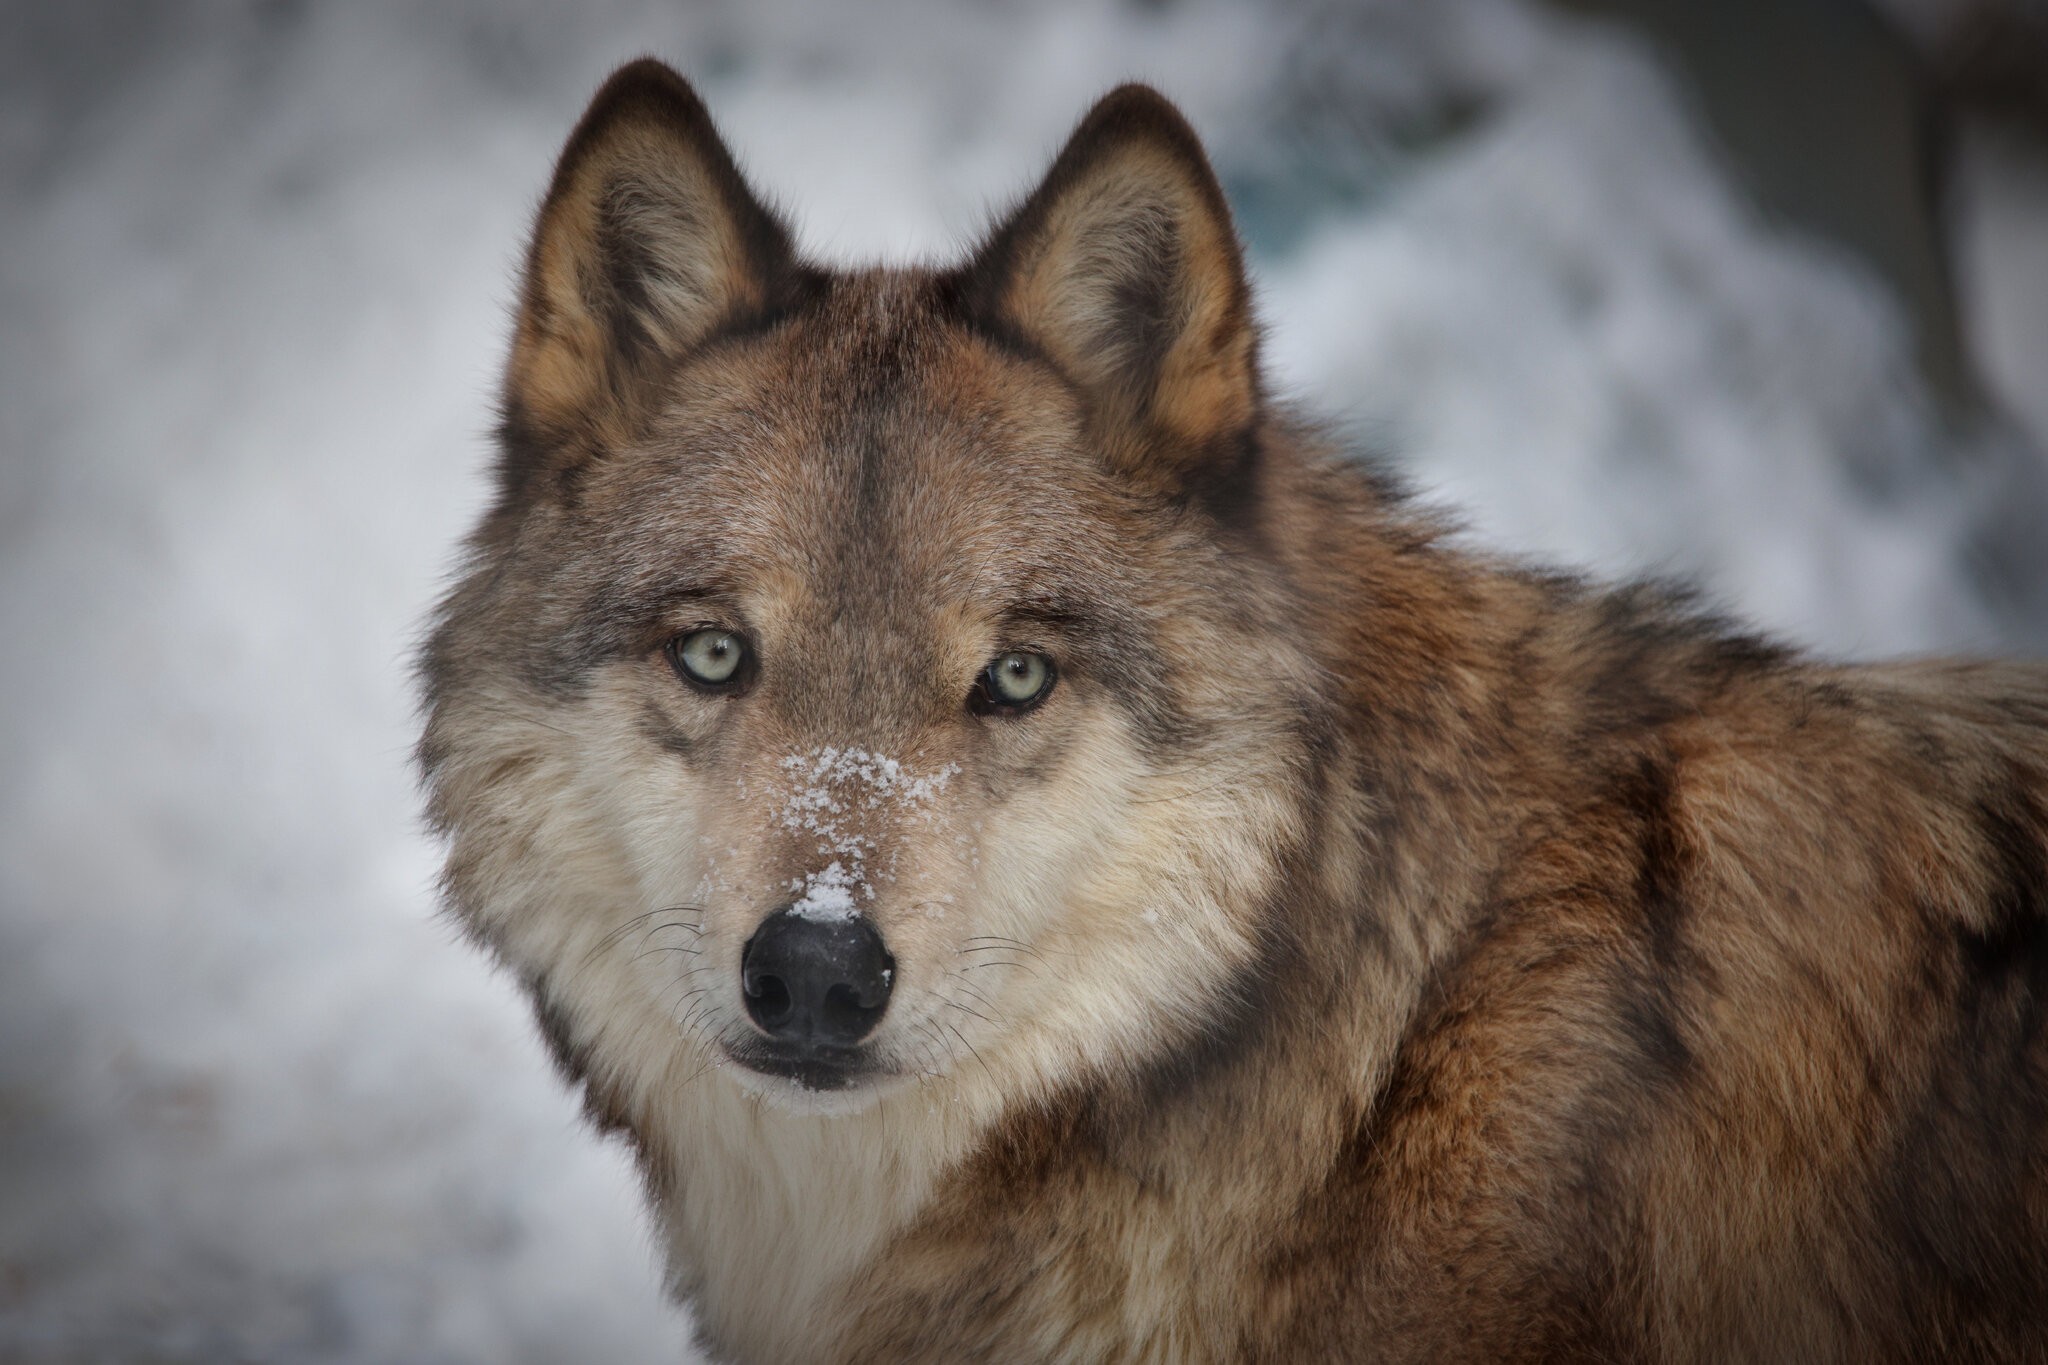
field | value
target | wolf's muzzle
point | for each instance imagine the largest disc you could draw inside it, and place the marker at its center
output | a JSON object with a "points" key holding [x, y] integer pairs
{"points": [[821, 982]]}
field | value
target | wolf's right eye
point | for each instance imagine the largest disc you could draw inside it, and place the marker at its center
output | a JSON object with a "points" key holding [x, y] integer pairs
{"points": [[1012, 683], [711, 659]]}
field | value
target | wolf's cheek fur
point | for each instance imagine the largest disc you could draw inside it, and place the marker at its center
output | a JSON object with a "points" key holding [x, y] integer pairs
{"points": [[1127, 889], [554, 799]]}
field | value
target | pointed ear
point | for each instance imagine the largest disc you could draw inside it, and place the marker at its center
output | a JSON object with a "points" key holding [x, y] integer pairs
{"points": [[1124, 271], [649, 241]]}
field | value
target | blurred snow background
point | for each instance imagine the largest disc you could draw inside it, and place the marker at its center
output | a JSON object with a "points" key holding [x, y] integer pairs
{"points": [[256, 1102]]}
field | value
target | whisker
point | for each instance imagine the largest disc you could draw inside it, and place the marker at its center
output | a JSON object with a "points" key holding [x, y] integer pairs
{"points": [[659, 948], [676, 924], [1002, 941], [973, 990], [966, 1010], [521, 716], [928, 1067], [1031, 967], [611, 939], [1037, 958], [684, 990], [970, 1048], [1178, 796], [710, 1061], [615, 935]]}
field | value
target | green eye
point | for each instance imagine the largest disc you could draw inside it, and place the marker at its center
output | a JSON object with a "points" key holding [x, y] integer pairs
{"points": [[709, 658], [1012, 682]]}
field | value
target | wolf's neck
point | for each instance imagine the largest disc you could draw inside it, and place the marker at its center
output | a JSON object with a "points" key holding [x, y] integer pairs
{"points": [[766, 1212]]}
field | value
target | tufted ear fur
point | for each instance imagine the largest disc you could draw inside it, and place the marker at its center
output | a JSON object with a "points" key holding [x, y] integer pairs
{"points": [[1123, 270], [649, 242]]}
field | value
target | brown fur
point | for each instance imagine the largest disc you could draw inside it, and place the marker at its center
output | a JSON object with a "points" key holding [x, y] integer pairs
{"points": [[1378, 952]]}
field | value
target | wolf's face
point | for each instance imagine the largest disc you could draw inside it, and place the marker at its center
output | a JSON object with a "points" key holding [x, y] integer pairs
{"points": [[861, 682]]}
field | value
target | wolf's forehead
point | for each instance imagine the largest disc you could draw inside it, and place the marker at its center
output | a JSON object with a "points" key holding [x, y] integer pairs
{"points": [[921, 463]]}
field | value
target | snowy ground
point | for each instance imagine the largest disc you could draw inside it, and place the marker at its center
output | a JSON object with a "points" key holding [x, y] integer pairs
{"points": [[255, 1101]]}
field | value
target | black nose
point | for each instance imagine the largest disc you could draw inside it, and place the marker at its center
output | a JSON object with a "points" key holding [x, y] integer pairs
{"points": [[816, 980]]}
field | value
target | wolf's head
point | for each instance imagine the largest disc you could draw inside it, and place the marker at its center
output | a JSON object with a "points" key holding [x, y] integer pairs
{"points": [[878, 679]]}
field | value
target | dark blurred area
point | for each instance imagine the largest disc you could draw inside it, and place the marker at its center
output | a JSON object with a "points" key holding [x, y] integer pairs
{"points": [[1870, 122]]}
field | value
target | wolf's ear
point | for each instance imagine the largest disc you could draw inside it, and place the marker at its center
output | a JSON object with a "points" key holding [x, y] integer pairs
{"points": [[648, 242], [1124, 271]]}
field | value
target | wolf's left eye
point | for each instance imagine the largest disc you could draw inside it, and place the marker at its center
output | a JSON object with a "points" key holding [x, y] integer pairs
{"points": [[712, 659], [1013, 682]]}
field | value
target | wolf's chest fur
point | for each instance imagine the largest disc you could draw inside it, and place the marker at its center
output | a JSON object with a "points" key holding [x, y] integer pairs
{"points": [[776, 1212], [1046, 859]]}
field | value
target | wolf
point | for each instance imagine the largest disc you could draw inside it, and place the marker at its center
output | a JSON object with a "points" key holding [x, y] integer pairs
{"points": [[1046, 857]]}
